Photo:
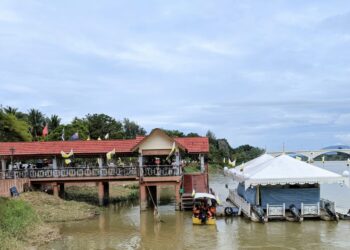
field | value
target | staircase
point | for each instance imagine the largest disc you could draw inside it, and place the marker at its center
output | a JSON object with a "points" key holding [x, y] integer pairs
{"points": [[186, 201], [194, 181]]}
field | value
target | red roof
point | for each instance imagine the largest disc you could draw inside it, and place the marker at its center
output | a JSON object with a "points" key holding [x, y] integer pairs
{"points": [[192, 145]]}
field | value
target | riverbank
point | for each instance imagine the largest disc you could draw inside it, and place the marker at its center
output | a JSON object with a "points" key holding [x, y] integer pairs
{"points": [[28, 220]]}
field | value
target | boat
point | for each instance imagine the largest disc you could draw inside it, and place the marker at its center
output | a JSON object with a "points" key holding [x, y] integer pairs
{"points": [[204, 209]]}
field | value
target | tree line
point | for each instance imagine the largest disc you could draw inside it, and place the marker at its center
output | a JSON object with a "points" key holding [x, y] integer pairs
{"points": [[28, 126]]}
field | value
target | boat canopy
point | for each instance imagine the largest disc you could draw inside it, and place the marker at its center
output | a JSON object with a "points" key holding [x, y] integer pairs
{"points": [[284, 170], [204, 195], [248, 166]]}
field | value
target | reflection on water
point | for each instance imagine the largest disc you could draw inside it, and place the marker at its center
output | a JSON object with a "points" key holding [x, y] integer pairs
{"points": [[124, 227]]}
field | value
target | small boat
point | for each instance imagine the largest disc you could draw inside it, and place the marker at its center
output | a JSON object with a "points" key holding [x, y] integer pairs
{"points": [[204, 209]]}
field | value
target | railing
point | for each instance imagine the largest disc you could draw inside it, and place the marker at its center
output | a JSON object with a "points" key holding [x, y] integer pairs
{"points": [[276, 210], [161, 170], [74, 172], [240, 202], [310, 209]]}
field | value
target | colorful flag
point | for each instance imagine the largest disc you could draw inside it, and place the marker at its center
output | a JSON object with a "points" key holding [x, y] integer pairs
{"points": [[171, 151], [75, 136], [45, 130]]}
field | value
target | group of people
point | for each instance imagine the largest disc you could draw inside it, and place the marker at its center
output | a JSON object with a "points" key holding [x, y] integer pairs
{"points": [[204, 209]]}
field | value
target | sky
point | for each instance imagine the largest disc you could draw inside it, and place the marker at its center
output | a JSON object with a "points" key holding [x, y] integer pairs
{"points": [[255, 72]]}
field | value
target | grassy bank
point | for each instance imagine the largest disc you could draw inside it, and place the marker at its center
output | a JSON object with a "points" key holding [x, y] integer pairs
{"points": [[27, 221], [117, 193]]}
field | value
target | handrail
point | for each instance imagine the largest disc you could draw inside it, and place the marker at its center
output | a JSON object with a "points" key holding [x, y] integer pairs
{"points": [[67, 172]]}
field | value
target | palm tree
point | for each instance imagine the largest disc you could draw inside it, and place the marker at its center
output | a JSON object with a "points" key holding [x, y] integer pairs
{"points": [[54, 121], [11, 110], [36, 120]]}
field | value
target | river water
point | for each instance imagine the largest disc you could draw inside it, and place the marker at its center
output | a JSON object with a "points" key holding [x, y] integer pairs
{"points": [[124, 227]]}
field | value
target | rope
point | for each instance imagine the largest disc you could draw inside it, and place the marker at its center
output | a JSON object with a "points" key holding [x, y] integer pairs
{"points": [[156, 213]]}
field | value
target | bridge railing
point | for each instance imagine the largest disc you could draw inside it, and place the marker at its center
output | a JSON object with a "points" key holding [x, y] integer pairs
{"points": [[80, 172]]}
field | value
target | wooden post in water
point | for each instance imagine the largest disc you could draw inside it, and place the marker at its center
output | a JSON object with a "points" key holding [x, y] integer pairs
{"points": [[177, 197], [143, 197]]}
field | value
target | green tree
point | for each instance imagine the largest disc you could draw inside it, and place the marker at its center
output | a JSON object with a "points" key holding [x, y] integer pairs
{"points": [[36, 120], [192, 135], [13, 129], [131, 129], [174, 133], [15, 112], [100, 124], [54, 121], [78, 125]]}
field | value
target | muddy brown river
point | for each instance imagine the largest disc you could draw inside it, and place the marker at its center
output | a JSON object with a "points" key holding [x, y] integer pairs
{"points": [[124, 227]]}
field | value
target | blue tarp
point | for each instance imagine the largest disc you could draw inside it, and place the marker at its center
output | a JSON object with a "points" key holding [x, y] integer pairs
{"points": [[296, 196], [249, 194]]}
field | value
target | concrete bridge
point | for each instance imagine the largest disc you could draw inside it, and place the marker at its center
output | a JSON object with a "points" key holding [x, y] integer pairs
{"points": [[312, 154]]}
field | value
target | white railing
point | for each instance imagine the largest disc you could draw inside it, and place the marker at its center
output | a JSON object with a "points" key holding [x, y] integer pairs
{"points": [[310, 209], [276, 210], [240, 202]]}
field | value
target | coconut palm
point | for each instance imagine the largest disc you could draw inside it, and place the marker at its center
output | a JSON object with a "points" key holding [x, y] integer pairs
{"points": [[54, 121], [36, 120]]}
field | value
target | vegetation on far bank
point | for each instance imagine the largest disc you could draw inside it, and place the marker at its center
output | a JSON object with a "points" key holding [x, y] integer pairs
{"points": [[89, 194]]}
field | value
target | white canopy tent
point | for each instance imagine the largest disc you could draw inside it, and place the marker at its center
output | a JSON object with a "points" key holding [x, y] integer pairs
{"points": [[286, 170], [248, 166]]}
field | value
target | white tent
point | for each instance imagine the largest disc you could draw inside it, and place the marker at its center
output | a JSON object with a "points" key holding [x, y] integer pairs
{"points": [[240, 170], [287, 170]]}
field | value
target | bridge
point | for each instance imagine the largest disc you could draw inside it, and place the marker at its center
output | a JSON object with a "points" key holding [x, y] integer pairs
{"points": [[312, 154], [154, 160]]}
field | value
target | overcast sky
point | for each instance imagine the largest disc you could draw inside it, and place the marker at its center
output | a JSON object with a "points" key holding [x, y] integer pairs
{"points": [[257, 72]]}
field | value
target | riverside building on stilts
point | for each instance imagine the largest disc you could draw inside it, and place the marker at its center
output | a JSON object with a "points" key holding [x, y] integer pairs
{"points": [[155, 160]]}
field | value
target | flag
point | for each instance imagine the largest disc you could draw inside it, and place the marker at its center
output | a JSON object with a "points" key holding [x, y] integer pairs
{"points": [[65, 155], [107, 136], [75, 136], [172, 151], [62, 136], [45, 130], [109, 154], [231, 163]]}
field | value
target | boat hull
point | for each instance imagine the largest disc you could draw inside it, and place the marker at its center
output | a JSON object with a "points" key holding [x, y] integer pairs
{"points": [[197, 221]]}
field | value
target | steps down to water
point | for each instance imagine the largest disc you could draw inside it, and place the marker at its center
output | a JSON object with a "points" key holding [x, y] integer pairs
{"points": [[186, 201]]}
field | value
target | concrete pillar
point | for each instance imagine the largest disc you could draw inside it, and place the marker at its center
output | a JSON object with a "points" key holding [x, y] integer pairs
{"points": [[140, 165], [61, 192], [202, 163], [54, 163], [100, 162], [105, 193], [177, 161], [177, 197], [100, 193], [143, 197], [55, 189], [3, 168]]}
